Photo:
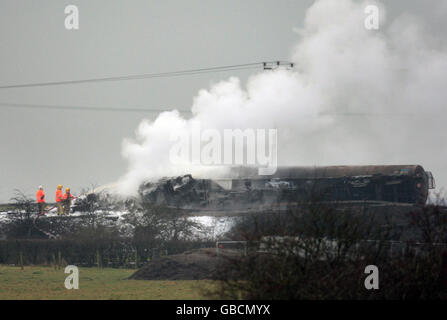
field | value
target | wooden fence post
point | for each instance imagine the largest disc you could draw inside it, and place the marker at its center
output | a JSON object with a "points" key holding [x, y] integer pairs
{"points": [[21, 259], [98, 259], [59, 258], [54, 261]]}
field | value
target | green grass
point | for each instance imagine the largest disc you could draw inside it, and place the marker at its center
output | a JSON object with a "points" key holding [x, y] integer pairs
{"points": [[6, 207], [46, 283]]}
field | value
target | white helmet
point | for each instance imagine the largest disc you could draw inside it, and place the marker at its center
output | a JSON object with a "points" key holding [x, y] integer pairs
{"points": [[40, 187]]}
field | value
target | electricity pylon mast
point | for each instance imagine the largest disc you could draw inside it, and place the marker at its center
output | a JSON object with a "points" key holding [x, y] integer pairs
{"points": [[276, 64]]}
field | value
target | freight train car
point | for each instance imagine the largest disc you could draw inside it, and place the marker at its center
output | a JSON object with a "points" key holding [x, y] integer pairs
{"points": [[244, 189], [392, 183]]}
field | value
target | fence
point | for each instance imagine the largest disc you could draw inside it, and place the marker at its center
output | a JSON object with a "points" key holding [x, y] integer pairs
{"points": [[89, 253], [391, 248]]}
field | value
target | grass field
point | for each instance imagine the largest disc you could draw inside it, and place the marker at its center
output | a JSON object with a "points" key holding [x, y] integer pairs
{"points": [[6, 207], [46, 283]]}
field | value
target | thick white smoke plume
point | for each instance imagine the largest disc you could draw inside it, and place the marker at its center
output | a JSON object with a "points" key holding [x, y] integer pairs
{"points": [[355, 96]]}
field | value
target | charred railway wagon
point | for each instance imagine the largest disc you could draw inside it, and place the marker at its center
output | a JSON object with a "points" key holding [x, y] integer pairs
{"points": [[245, 189], [391, 183]]}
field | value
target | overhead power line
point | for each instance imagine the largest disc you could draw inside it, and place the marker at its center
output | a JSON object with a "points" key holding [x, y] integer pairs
{"points": [[369, 114], [158, 110], [265, 65], [85, 108]]}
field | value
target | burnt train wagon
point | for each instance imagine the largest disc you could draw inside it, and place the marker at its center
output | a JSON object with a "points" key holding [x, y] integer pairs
{"points": [[391, 183], [243, 188]]}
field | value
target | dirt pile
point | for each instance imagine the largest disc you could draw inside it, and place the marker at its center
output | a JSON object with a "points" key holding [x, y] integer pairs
{"points": [[190, 265]]}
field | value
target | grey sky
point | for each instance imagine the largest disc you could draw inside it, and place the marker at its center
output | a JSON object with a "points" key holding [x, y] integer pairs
{"points": [[80, 148]]}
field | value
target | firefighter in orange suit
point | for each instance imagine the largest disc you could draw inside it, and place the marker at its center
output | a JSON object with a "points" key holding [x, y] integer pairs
{"points": [[40, 198], [66, 198], [59, 196]]}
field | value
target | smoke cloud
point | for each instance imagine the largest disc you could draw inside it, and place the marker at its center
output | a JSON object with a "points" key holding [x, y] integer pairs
{"points": [[355, 96]]}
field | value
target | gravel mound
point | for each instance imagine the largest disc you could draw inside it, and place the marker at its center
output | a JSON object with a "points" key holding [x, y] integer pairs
{"points": [[191, 265]]}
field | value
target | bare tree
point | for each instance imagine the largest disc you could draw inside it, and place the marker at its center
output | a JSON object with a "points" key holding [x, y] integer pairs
{"points": [[23, 217], [320, 251]]}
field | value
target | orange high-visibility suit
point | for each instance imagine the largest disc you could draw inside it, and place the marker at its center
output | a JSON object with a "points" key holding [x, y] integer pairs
{"points": [[66, 198], [40, 197], [59, 196]]}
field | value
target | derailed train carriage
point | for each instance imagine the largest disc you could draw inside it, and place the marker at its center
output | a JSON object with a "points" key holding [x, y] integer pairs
{"points": [[244, 188], [390, 183]]}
